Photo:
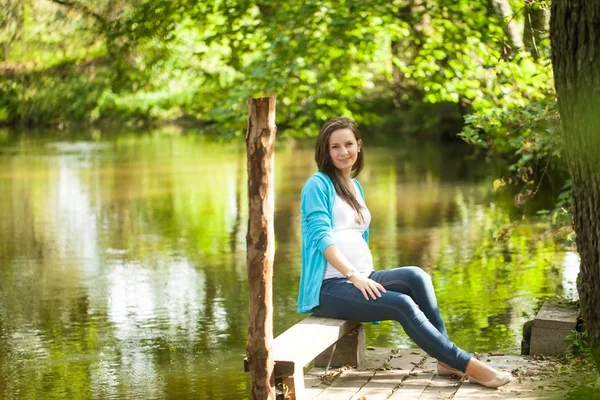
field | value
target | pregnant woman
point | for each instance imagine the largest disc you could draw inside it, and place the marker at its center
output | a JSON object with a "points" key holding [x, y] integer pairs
{"points": [[338, 277]]}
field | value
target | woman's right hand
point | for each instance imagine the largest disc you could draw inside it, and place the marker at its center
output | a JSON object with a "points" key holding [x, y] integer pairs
{"points": [[367, 286]]}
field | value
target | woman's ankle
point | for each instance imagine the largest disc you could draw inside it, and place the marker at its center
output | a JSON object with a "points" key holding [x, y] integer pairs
{"points": [[480, 370]]}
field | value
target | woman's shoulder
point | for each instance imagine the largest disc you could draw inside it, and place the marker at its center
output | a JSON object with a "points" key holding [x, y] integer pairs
{"points": [[318, 182], [318, 179]]}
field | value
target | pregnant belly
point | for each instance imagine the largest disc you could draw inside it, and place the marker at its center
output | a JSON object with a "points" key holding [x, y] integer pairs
{"points": [[352, 245]]}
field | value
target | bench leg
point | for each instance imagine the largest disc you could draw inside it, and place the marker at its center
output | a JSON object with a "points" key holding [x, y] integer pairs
{"points": [[294, 384], [349, 350]]}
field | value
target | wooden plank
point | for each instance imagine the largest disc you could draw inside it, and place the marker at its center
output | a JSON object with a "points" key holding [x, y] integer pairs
{"points": [[472, 392], [424, 383], [534, 379], [440, 387], [346, 385], [381, 385], [385, 381], [375, 359], [406, 360], [316, 334], [419, 379], [314, 384], [318, 379], [413, 388]]}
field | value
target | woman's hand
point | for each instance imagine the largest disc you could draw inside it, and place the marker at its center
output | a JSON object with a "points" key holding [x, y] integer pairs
{"points": [[368, 287]]}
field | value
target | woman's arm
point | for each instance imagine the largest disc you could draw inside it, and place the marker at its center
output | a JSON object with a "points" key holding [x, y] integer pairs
{"points": [[367, 286]]}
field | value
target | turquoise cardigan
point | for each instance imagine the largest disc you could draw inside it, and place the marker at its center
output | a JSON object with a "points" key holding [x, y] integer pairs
{"points": [[316, 212]]}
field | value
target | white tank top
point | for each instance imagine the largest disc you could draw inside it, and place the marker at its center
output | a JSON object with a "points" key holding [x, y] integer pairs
{"points": [[347, 236]]}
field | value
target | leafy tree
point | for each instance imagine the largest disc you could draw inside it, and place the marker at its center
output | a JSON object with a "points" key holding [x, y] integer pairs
{"points": [[156, 59]]}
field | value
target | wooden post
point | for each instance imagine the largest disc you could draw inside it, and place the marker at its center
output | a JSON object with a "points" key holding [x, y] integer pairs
{"points": [[260, 241]]}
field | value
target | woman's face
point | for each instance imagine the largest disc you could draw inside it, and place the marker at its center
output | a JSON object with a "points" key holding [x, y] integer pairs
{"points": [[343, 149]]}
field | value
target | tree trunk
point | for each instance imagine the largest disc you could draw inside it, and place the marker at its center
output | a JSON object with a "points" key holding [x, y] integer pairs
{"points": [[260, 141], [575, 39]]}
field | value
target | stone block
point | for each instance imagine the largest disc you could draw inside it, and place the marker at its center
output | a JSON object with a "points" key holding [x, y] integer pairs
{"points": [[550, 327]]}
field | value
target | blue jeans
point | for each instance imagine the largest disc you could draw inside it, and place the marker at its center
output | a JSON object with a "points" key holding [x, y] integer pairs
{"points": [[409, 299]]}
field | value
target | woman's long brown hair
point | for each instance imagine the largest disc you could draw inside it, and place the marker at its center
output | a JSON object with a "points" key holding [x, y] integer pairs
{"points": [[325, 164]]}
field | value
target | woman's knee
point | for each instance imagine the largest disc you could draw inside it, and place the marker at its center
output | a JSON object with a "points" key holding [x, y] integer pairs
{"points": [[418, 275]]}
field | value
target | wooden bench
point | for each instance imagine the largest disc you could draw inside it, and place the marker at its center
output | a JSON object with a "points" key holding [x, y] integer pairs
{"points": [[330, 342]]}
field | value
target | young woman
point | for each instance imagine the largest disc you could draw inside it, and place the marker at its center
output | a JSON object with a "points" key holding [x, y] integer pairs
{"points": [[338, 279]]}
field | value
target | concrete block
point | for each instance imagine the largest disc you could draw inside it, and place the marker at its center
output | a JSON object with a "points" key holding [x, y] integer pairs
{"points": [[550, 327]]}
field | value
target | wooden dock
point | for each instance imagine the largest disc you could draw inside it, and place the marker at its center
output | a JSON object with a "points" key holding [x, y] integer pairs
{"points": [[411, 374]]}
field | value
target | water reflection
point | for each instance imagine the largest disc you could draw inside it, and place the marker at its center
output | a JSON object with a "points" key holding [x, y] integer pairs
{"points": [[123, 274], [571, 270]]}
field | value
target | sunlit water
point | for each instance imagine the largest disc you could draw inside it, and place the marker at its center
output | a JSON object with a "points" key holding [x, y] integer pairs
{"points": [[122, 258]]}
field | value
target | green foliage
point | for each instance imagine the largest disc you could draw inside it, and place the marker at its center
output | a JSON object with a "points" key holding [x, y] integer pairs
{"points": [[515, 117], [317, 70], [321, 58], [455, 52], [579, 344], [41, 99]]}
